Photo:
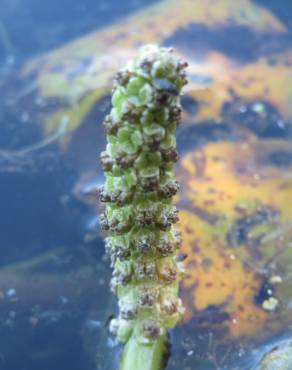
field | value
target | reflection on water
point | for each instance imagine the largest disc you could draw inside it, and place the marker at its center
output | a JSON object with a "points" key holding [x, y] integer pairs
{"points": [[235, 171]]}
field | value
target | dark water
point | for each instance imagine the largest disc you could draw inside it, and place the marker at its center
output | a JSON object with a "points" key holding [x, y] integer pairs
{"points": [[54, 297]]}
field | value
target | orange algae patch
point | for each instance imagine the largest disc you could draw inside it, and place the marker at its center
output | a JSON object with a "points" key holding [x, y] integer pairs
{"points": [[234, 199], [226, 178], [217, 276], [251, 82]]}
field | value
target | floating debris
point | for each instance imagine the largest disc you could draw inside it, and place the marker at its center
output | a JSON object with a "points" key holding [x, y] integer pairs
{"points": [[270, 304]]}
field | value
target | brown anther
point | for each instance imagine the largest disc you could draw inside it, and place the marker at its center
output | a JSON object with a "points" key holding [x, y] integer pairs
{"points": [[168, 189], [122, 78], [169, 306], [152, 330], [126, 160], [149, 184], [144, 217], [128, 313], [109, 125], [146, 299], [167, 217], [106, 161], [168, 274], [120, 227], [145, 270], [131, 113], [103, 222], [116, 196], [183, 77], [170, 155], [103, 195], [123, 254], [132, 116], [165, 248], [162, 98], [175, 114], [182, 65]]}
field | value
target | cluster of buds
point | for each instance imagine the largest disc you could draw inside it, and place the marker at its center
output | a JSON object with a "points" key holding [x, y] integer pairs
{"points": [[139, 217]]}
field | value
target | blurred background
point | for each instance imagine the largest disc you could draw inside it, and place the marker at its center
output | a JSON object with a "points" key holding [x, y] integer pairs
{"points": [[57, 61], [32, 27]]}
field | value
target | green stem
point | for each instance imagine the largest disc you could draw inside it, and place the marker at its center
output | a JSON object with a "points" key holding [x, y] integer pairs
{"points": [[143, 356]]}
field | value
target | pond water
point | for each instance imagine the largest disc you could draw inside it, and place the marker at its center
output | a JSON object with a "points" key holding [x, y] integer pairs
{"points": [[57, 60]]}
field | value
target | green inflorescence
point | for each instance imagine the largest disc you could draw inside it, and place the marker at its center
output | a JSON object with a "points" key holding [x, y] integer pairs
{"points": [[139, 215]]}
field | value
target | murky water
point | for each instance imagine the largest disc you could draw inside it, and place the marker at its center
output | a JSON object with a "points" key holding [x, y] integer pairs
{"points": [[235, 170]]}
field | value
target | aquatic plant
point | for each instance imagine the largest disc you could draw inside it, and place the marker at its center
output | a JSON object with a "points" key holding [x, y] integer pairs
{"points": [[141, 240]]}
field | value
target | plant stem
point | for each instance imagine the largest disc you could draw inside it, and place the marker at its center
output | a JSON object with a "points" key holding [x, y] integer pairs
{"points": [[143, 356]]}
